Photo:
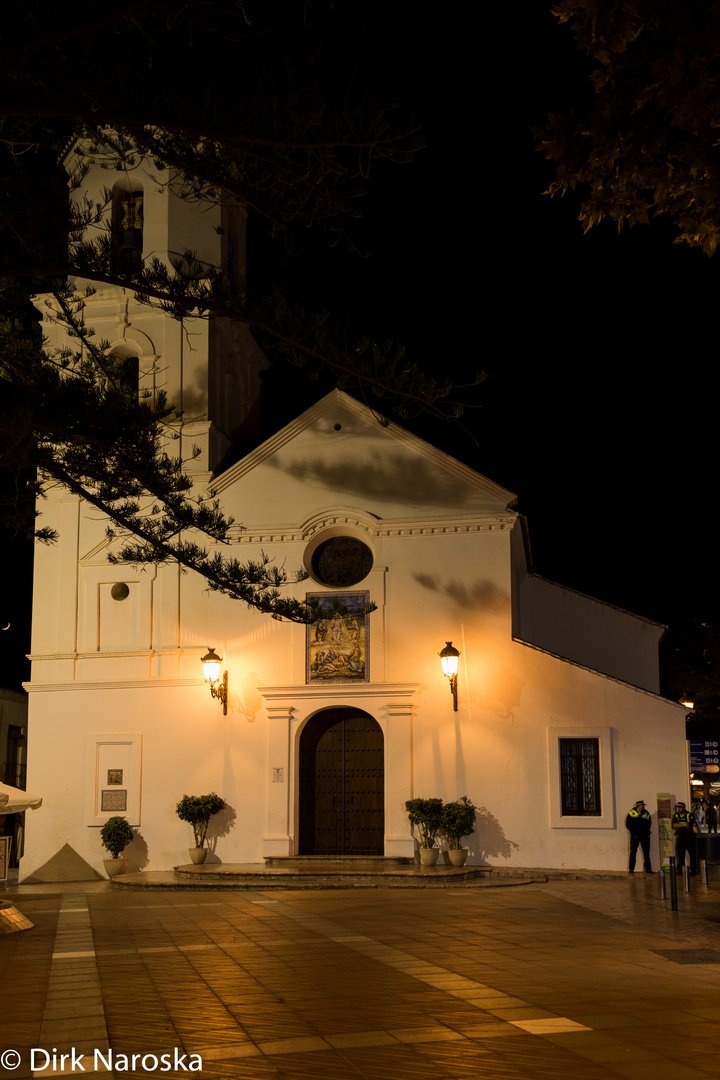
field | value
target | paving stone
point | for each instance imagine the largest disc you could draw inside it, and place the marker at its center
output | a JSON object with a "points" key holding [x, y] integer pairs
{"points": [[383, 983]]}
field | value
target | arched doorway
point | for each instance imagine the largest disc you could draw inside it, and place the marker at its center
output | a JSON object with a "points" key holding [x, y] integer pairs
{"points": [[342, 783]]}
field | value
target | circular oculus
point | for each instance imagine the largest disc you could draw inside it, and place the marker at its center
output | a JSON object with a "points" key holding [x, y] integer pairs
{"points": [[341, 561]]}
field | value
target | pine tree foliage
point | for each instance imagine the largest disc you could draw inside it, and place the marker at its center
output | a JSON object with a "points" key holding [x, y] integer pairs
{"points": [[646, 146], [74, 420], [276, 107], [269, 102], [285, 109]]}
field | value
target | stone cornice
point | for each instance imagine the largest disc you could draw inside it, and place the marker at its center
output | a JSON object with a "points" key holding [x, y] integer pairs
{"points": [[277, 694], [158, 683], [445, 526], [397, 695], [112, 654]]}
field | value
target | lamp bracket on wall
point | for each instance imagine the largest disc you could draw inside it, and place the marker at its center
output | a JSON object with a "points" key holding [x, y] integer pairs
{"points": [[212, 663], [449, 659]]}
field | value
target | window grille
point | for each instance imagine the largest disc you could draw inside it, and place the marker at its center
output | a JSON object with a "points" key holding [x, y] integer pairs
{"points": [[580, 777]]}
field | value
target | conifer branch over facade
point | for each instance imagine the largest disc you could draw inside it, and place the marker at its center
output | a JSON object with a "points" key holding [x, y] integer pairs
{"points": [[276, 121]]}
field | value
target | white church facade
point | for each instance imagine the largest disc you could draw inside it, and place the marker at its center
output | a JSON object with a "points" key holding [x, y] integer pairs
{"points": [[559, 725]]}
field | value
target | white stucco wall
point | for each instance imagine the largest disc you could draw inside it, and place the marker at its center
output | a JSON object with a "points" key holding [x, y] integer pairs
{"points": [[441, 539], [589, 632]]}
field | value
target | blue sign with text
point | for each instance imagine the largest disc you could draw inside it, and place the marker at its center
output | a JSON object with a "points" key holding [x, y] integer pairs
{"points": [[704, 756]]}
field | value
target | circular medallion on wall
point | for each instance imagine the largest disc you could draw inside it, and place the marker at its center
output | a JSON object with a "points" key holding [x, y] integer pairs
{"points": [[341, 561]]}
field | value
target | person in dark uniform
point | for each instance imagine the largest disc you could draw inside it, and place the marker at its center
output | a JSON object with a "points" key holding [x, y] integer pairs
{"points": [[638, 823], [711, 817], [685, 827]]}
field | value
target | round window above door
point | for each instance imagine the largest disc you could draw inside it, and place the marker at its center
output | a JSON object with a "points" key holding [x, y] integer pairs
{"points": [[341, 561]]}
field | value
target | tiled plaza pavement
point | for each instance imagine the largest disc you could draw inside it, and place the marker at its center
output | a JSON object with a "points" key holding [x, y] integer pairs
{"points": [[573, 979]]}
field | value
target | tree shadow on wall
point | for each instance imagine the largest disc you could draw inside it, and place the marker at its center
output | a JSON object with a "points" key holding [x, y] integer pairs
{"points": [[482, 595], [424, 484], [220, 825], [490, 839], [137, 853]]}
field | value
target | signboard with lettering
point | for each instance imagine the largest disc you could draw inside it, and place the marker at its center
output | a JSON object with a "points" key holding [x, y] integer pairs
{"points": [[704, 755], [665, 836]]}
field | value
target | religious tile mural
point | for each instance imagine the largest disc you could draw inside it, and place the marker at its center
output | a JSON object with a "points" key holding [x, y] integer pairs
{"points": [[338, 646]]}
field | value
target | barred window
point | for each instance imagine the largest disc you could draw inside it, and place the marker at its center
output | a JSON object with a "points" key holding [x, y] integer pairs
{"points": [[580, 777]]}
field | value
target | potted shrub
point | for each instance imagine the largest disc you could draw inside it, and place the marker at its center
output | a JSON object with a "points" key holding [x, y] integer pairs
{"points": [[198, 809], [425, 814], [457, 820], [115, 835]]}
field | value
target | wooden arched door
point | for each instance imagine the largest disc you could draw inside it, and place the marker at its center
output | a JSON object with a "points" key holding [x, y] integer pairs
{"points": [[342, 783]]}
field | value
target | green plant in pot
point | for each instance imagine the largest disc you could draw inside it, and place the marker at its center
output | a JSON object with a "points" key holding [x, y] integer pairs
{"points": [[425, 815], [197, 810], [456, 821], [115, 835]]}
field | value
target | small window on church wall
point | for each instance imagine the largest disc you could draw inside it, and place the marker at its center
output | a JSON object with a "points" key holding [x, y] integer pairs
{"points": [[127, 227], [126, 373], [580, 777], [129, 372]]}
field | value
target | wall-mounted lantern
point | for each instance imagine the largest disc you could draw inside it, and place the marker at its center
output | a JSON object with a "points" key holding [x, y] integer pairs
{"points": [[449, 660], [212, 663]]}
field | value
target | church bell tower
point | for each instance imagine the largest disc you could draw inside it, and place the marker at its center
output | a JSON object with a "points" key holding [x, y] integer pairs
{"points": [[209, 368]]}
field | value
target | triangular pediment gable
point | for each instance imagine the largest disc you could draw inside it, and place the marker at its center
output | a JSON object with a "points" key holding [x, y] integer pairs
{"points": [[340, 452]]}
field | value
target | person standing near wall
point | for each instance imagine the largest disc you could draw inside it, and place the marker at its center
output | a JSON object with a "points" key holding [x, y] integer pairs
{"points": [[685, 827], [638, 823]]}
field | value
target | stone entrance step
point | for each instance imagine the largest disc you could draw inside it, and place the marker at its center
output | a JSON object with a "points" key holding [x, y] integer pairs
{"points": [[319, 874], [338, 862], [344, 870]]}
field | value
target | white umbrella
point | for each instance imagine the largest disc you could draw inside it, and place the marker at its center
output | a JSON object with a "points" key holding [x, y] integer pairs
{"points": [[14, 801]]}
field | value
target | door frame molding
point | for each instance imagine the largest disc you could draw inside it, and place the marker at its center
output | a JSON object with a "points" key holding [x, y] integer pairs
{"points": [[288, 708]]}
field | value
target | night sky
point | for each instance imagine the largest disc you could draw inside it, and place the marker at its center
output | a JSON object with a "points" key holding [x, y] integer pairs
{"points": [[615, 354], [600, 407], [599, 410]]}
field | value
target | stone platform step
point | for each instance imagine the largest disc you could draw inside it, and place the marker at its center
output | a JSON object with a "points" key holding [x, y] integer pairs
{"points": [[339, 862], [320, 875], [297, 871]]}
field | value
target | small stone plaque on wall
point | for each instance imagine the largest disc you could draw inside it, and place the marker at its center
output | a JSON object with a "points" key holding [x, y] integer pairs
{"points": [[113, 773], [113, 800]]}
